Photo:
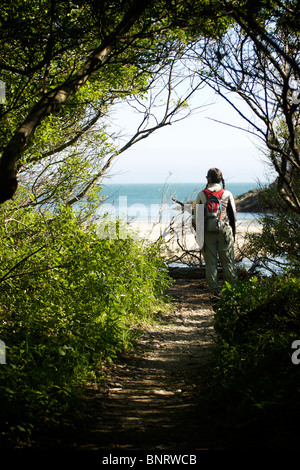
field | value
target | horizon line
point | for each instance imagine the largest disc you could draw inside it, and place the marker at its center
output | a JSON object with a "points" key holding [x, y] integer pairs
{"points": [[186, 182]]}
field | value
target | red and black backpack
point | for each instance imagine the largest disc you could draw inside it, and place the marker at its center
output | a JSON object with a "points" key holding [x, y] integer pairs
{"points": [[213, 210]]}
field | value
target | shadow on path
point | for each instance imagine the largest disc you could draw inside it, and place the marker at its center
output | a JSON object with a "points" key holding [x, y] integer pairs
{"points": [[152, 401]]}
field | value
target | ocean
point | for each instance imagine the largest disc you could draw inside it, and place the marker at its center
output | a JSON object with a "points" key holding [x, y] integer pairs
{"points": [[145, 202]]}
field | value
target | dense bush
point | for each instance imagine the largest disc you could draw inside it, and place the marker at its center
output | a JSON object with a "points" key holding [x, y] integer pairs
{"points": [[68, 301], [256, 323], [279, 239], [254, 379]]}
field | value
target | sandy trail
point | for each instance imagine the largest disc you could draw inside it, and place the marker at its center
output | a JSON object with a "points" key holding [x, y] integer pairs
{"points": [[152, 400]]}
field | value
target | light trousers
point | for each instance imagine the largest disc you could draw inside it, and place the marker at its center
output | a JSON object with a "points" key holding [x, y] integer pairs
{"points": [[219, 244]]}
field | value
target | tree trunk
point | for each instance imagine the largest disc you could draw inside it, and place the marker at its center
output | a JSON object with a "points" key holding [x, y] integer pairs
{"points": [[53, 100]]}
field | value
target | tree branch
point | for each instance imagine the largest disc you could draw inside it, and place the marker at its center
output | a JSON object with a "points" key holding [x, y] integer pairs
{"points": [[53, 100]]}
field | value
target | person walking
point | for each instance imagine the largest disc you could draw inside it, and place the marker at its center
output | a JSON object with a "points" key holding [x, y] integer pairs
{"points": [[219, 230]]}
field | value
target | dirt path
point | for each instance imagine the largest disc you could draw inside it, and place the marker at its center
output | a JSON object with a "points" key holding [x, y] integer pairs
{"points": [[153, 400]]}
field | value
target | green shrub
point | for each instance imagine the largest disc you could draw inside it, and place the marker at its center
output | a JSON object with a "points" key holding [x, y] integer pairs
{"points": [[68, 301], [257, 322], [279, 238]]}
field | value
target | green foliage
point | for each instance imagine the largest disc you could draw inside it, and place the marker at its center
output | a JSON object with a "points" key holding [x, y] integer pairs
{"points": [[257, 322], [279, 238], [69, 301], [43, 43]]}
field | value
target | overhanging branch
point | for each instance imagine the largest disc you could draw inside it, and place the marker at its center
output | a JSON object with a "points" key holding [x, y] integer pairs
{"points": [[54, 99]]}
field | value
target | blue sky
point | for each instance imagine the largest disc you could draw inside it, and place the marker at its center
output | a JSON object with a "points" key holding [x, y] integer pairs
{"points": [[184, 151]]}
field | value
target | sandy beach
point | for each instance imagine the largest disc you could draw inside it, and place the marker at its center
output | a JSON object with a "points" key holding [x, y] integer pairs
{"points": [[177, 233], [155, 230], [180, 238]]}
